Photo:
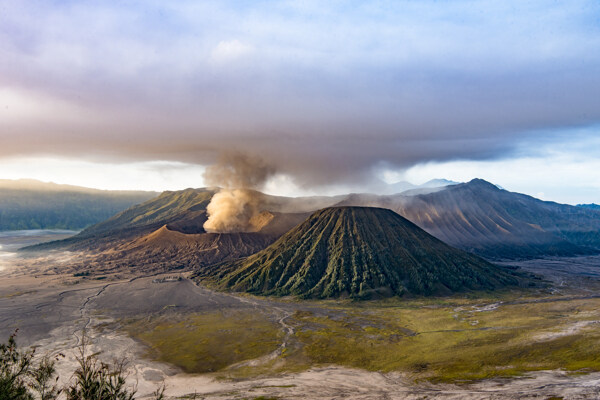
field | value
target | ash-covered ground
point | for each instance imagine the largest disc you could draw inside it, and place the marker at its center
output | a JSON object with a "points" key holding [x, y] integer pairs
{"points": [[52, 309]]}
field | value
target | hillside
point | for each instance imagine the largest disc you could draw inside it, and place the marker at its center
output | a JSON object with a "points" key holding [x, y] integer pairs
{"points": [[183, 211], [592, 206], [476, 216], [167, 249], [358, 252], [407, 188], [29, 204], [479, 217]]}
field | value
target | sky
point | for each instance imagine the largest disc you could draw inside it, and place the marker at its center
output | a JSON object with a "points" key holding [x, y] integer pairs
{"points": [[333, 96]]}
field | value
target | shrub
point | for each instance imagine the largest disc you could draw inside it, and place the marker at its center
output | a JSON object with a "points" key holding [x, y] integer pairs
{"points": [[22, 379], [15, 366]]}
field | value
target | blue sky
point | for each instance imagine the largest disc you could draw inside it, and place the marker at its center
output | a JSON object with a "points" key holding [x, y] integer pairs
{"points": [[334, 96]]}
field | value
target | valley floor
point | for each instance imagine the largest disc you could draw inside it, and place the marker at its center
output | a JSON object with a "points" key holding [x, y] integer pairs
{"points": [[512, 345]]}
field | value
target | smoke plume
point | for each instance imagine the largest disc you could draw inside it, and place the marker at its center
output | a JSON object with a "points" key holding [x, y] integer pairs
{"points": [[236, 205]]}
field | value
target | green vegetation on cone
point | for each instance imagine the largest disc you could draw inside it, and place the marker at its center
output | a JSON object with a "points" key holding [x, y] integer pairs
{"points": [[358, 252]]}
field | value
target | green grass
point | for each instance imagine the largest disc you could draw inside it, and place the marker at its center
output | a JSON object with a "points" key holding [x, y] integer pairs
{"points": [[210, 341], [445, 344], [440, 340]]}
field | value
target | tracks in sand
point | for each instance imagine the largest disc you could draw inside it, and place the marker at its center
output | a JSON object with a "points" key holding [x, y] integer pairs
{"points": [[281, 314], [84, 312]]}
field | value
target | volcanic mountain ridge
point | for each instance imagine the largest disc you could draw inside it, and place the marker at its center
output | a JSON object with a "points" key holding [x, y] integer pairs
{"points": [[477, 217], [358, 252]]}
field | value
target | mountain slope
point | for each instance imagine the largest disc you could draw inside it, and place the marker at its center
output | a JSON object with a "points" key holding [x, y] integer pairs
{"points": [[408, 188], [475, 216], [182, 206], [592, 206], [359, 252], [166, 249], [481, 218], [184, 210], [29, 204], [170, 248]]}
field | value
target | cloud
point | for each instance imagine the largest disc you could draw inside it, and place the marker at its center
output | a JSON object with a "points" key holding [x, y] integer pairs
{"points": [[325, 92], [229, 50], [566, 171], [148, 175]]}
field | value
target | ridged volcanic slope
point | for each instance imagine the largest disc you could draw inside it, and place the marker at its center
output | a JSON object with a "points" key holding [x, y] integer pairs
{"points": [[360, 252]]}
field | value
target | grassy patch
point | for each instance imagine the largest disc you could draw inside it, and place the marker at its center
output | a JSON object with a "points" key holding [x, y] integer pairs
{"points": [[210, 341], [448, 343], [441, 340]]}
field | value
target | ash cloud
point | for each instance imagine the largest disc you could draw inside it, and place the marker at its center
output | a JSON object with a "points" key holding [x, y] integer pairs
{"points": [[238, 170], [236, 206], [327, 101]]}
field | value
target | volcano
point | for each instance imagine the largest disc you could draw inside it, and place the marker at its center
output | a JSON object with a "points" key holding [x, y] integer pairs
{"points": [[359, 252], [480, 217]]}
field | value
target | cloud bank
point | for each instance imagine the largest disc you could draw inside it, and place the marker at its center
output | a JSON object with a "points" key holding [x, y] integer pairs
{"points": [[325, 93]]}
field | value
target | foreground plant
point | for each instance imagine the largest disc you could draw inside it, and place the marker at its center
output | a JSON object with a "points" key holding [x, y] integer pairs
{"points": [[14, 368], [43, 381], [95, 380], [21, 379]]}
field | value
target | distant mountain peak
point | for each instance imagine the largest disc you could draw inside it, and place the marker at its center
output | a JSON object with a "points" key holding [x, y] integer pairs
{"points": [[408, 187], [439, 182], [478, 182]]}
